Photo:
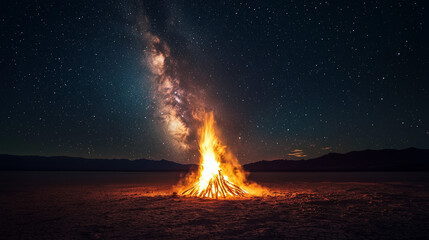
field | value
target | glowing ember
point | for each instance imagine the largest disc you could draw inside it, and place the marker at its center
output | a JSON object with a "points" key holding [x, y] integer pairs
{"points": [[212, 181]]}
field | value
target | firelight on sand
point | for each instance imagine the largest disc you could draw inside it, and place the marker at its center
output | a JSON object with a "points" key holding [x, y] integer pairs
{"points": [[218, 169]]}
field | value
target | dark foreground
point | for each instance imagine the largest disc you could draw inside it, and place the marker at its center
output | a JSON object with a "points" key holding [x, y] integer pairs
{"points": [[103, 205]]}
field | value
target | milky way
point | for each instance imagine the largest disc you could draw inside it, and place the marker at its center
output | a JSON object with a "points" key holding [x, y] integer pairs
{"points": [[178, 106]]}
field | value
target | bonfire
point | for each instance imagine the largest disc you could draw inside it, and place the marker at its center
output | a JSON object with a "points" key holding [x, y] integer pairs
{"points": [[211, 182]]}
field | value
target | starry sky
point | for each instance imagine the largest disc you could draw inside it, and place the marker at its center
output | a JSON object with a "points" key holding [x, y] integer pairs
{"points": [[284, 79]]}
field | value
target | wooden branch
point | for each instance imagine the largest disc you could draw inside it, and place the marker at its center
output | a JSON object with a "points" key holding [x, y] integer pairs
{"points": [[217, 187]]}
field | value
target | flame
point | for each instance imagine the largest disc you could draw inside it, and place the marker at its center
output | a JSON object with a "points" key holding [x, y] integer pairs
{"points": [[220, 174]]}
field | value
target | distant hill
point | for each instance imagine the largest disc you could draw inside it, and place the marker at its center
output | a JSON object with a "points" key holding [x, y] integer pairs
{"points": [[410, 159], [35, 163]]}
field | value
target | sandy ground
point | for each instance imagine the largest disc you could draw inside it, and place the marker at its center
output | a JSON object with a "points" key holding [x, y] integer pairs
{"points": [[149, 210]]}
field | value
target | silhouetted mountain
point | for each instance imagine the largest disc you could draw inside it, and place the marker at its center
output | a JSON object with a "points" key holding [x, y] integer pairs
{"points": [[10, 162], [411, 159]]}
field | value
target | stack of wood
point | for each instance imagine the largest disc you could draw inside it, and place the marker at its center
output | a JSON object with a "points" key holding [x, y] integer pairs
{"points": [[217, 187]]}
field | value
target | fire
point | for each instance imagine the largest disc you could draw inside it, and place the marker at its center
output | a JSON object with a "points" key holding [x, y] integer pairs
{"points": [[212, 179]]}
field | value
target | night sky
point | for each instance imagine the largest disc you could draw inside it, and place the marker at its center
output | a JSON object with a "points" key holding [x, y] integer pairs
{"points": [[291, 79]]}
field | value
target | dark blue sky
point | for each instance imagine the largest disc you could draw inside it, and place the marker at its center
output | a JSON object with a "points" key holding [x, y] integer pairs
{"points": [[288, 77]]}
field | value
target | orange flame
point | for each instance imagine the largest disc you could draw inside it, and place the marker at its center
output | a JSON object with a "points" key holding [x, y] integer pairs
{"points": [[220, 174]]}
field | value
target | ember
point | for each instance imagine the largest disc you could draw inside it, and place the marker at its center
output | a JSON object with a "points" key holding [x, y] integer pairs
{"points": [[217, 186]]}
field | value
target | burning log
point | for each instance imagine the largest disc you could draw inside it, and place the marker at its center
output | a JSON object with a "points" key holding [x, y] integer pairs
{"points": [[216, 187]]}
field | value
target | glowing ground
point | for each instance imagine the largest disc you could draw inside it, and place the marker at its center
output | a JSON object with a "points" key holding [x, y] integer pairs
{"points": [[55, 205]]}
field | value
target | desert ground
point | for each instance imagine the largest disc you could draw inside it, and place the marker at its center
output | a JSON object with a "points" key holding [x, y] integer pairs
{"points": [[103, 205]]}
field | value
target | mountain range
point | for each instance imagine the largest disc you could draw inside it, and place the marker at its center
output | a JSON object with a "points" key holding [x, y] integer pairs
{"points": [[60, 163], [410, 159]]}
